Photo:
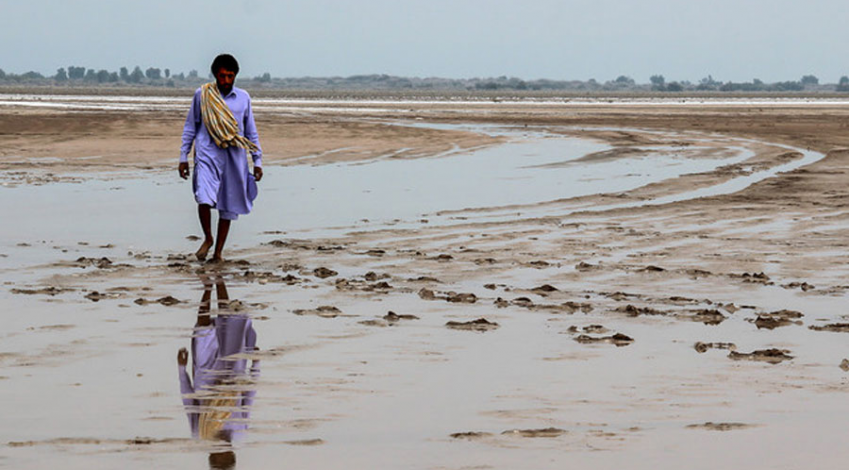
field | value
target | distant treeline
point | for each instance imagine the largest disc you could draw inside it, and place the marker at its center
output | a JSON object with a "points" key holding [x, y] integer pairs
{"points": [[156, 77]]}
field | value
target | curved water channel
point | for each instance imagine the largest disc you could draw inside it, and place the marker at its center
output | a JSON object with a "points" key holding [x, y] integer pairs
{"points": [[149, 213]]}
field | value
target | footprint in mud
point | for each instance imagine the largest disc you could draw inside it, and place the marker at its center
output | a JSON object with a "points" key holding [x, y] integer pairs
{"points": [[771, 356], [481, 324]]}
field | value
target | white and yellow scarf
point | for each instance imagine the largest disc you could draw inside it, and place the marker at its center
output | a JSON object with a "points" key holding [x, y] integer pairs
{"points": [[219, 120]]}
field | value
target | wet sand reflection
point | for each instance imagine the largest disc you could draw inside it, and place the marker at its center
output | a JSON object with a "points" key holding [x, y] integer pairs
{"points": [[218, 396]]}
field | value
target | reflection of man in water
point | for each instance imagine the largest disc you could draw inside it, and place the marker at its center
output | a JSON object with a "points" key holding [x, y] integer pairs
{"points": [[218, 402]]}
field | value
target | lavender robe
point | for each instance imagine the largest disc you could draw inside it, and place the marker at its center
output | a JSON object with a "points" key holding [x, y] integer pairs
{"points": [[221, 177]]}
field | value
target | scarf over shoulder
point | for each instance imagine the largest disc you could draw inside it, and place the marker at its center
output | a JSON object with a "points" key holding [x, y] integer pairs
{"points": [[219, 120]]}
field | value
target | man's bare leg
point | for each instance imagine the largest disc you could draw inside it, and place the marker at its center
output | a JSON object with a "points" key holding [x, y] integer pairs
{"points": [[223, 230], [204, 214], [221, 292]]}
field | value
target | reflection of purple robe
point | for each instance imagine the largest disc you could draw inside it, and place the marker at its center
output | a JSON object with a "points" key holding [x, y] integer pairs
{"points": [[221, 177], [211, 346]]}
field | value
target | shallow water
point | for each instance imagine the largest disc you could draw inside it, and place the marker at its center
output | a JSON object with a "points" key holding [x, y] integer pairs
{"points": [[104, 372], [150, 212]]}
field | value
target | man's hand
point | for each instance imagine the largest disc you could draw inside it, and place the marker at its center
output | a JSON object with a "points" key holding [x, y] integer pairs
{"points": [[183, 169], [258, 173], [182, 357]]}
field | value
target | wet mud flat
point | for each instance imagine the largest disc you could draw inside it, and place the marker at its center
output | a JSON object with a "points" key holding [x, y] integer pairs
{"points": [[702, 332]]}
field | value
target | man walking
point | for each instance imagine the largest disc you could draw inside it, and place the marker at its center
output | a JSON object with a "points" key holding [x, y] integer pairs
{"points": [[221, 125]]}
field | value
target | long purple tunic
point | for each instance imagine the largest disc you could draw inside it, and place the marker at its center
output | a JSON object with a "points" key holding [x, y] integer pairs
{"points": [[212, 349], [221, 177]]}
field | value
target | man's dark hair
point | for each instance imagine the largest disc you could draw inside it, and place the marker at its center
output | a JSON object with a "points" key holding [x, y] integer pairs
{"points": [[225, 61]]}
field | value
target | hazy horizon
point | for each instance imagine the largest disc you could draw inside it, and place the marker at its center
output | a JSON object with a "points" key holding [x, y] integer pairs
{"points": [[535, 39]]}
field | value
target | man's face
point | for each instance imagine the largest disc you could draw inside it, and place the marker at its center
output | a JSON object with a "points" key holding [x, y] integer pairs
{"points": [[225, 79]]}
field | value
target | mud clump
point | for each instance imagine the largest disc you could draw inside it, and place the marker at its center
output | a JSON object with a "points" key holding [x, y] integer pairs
{"points": [[51, 291], [481, 324], [324, 311], [427, 294], [572, 307], [101, 263], [617, 339], [324, 273], [771, 356], [755, 278], [633, 311], [620, 296], [451, 296], [590, 329], [832, 327], [264, 277], [95, 296], [535, 433], [167, 301], [544, 289], [711, 426], [372, 276], [707, 316], [393, 317], [701, 347], [777, 319], [804, 286], [470, 435], [584, 266]]}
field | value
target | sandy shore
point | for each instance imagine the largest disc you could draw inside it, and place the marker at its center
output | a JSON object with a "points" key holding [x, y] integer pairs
{"points": [[638, 329]]}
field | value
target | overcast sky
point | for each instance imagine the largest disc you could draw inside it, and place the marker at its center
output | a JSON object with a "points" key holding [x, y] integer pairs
{"points": [[773, 40]]}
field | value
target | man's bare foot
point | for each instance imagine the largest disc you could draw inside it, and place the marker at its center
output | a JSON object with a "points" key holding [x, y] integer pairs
{"points": [[216, 259], [204, 249]]}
